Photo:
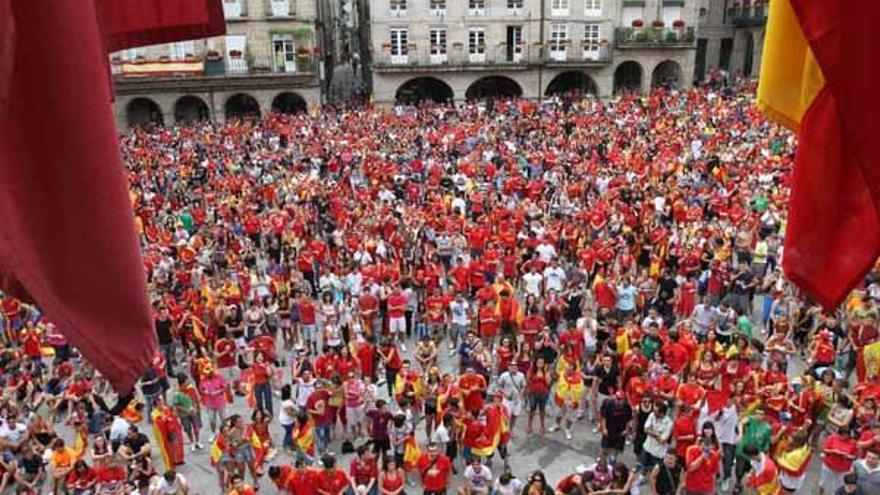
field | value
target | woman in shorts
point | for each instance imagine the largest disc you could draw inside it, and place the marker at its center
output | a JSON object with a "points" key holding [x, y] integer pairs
{"points": [[538, 380]]}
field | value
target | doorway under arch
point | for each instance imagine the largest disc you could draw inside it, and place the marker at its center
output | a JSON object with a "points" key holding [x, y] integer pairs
{"points": [[289, 102], [571, 82], [493, 87], [422, 89], [143, 112], [242, 106], [190, 110], [628, 77], [667, 74]]}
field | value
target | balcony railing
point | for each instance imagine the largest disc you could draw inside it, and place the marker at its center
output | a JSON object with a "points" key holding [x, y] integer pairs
{"points": [[304, 63], [748, 15], [499, 55], [646, 37]]}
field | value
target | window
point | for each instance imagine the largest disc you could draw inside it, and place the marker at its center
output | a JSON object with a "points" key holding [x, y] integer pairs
{"points": [[631, 14], [437, 38], [593, 8], [477, 44], [514, 43], [438, 8], [591, 41], [236, 48], [671, 14], [514, 7], [399, 40], [476, 7], [233, 9], [283, 53], [182, 49], [132, 54], [558, 41], [280, 8], [398, 8], [559, 8]]}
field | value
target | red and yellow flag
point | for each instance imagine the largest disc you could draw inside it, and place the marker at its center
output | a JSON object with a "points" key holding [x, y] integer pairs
{"points": [[411, 453], [816, 79], [304, 438]]}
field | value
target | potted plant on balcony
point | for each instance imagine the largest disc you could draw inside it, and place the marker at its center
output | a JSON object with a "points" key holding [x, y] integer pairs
{"points": [[678, 24], [213, 55], [386, 46], [164, 58], [235, 54], [638, 23], [139, 59], [115, 60], [458, 45], [603, 42], [658, 25]]}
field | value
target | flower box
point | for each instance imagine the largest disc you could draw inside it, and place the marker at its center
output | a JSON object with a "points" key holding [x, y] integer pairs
{"points": [[638, 23], [678, 24], [235, 54], [164, 58], [658, 24], [213, 55], [603, 42]]}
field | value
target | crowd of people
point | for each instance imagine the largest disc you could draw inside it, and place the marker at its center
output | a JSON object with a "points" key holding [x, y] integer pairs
{"points": [[421, 289]]}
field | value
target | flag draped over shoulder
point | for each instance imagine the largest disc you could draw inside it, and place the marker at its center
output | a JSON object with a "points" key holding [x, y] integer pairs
{"points": [[304, 438], [497, 427], [411, 453], [817, 79], [67, 234]]}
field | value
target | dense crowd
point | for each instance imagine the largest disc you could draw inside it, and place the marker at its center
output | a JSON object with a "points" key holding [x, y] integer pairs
{"points": [[418, 286]]}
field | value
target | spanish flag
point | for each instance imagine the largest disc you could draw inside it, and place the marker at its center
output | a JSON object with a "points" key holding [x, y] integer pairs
{"points": [[81, 442], [496, 428], [217, 448], [411, 453], [304, 438], [818, 80], [795, 462], [871, 355]]}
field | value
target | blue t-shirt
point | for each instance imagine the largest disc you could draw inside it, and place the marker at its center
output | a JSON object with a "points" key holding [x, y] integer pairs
{"points": [[626, 297]]}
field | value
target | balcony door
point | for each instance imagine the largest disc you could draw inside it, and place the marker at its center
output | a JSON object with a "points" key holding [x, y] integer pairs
{"points": [[477, 45], [399, 49], [514, 43]]}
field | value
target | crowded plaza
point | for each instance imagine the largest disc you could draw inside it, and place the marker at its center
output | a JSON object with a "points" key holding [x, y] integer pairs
{"points": [[570, 296]]}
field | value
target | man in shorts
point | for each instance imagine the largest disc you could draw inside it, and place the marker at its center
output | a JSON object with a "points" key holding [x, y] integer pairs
{"points": [[512, 385]]}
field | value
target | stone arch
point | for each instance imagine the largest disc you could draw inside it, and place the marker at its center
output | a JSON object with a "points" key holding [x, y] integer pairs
{"points": [[242, 105], [422, 89], [289, 102], [666, 74], [143, 112], [572, 81], [628, 77], [189, 109], [493, 87]]}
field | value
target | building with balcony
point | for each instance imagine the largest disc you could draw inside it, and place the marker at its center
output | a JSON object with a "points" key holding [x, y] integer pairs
{"points": [[269, 60], [731, 37], [463, 49]]}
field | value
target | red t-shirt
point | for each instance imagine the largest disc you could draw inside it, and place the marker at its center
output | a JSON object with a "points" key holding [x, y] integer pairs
{"points": [[435, 473], [396, 305], [363, 471], [703, 479], [332, 482], [307, 313], [837, 462], [260, 373], [683, 426], [225, 360], [303, 482]]}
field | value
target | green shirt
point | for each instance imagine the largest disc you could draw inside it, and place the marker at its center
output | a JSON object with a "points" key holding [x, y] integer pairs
{"points": [[650, 344], [182, 403], [744, 324], [755, 433], [187, 220], [761, 203]]}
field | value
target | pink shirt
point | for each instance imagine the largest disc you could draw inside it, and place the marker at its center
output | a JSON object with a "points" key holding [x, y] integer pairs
{"points": [[213, 392], [354, 393]]}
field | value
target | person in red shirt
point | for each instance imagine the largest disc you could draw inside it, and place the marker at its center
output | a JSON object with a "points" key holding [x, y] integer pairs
{"points": [[472, 386], [331, 480], [363, 470], [702, 462], [397, 302], [369, 308], [675, 355], [434, 469], [296, 480], [839, 450], [308, 322], [489, 323], [684, 430], [226, 353]]}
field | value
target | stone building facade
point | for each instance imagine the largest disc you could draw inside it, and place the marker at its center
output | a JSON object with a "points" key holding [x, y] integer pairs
{"points": [[461, 49], [269, 60], [731, 37]]}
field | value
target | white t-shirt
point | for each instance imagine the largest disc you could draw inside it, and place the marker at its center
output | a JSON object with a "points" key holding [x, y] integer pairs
{"points": [[478, 479], [513, 487], [554, 277], [663, 427], [546, 252], [284, 417], [173, 488], [459, 312], [119, 429], [532, 282]]}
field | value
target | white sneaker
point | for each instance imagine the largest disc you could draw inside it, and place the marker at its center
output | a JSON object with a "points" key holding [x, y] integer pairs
{"points": [[199, 446], [553, 428], [595, 429], [192, 448], [567, 434], [725, 485], [402, 347]]}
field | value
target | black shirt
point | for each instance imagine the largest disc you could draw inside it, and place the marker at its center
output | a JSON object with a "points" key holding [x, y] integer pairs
{"points": [[136, 443], [30, 466], [163, 332], [607, 380], [617, 415]]}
